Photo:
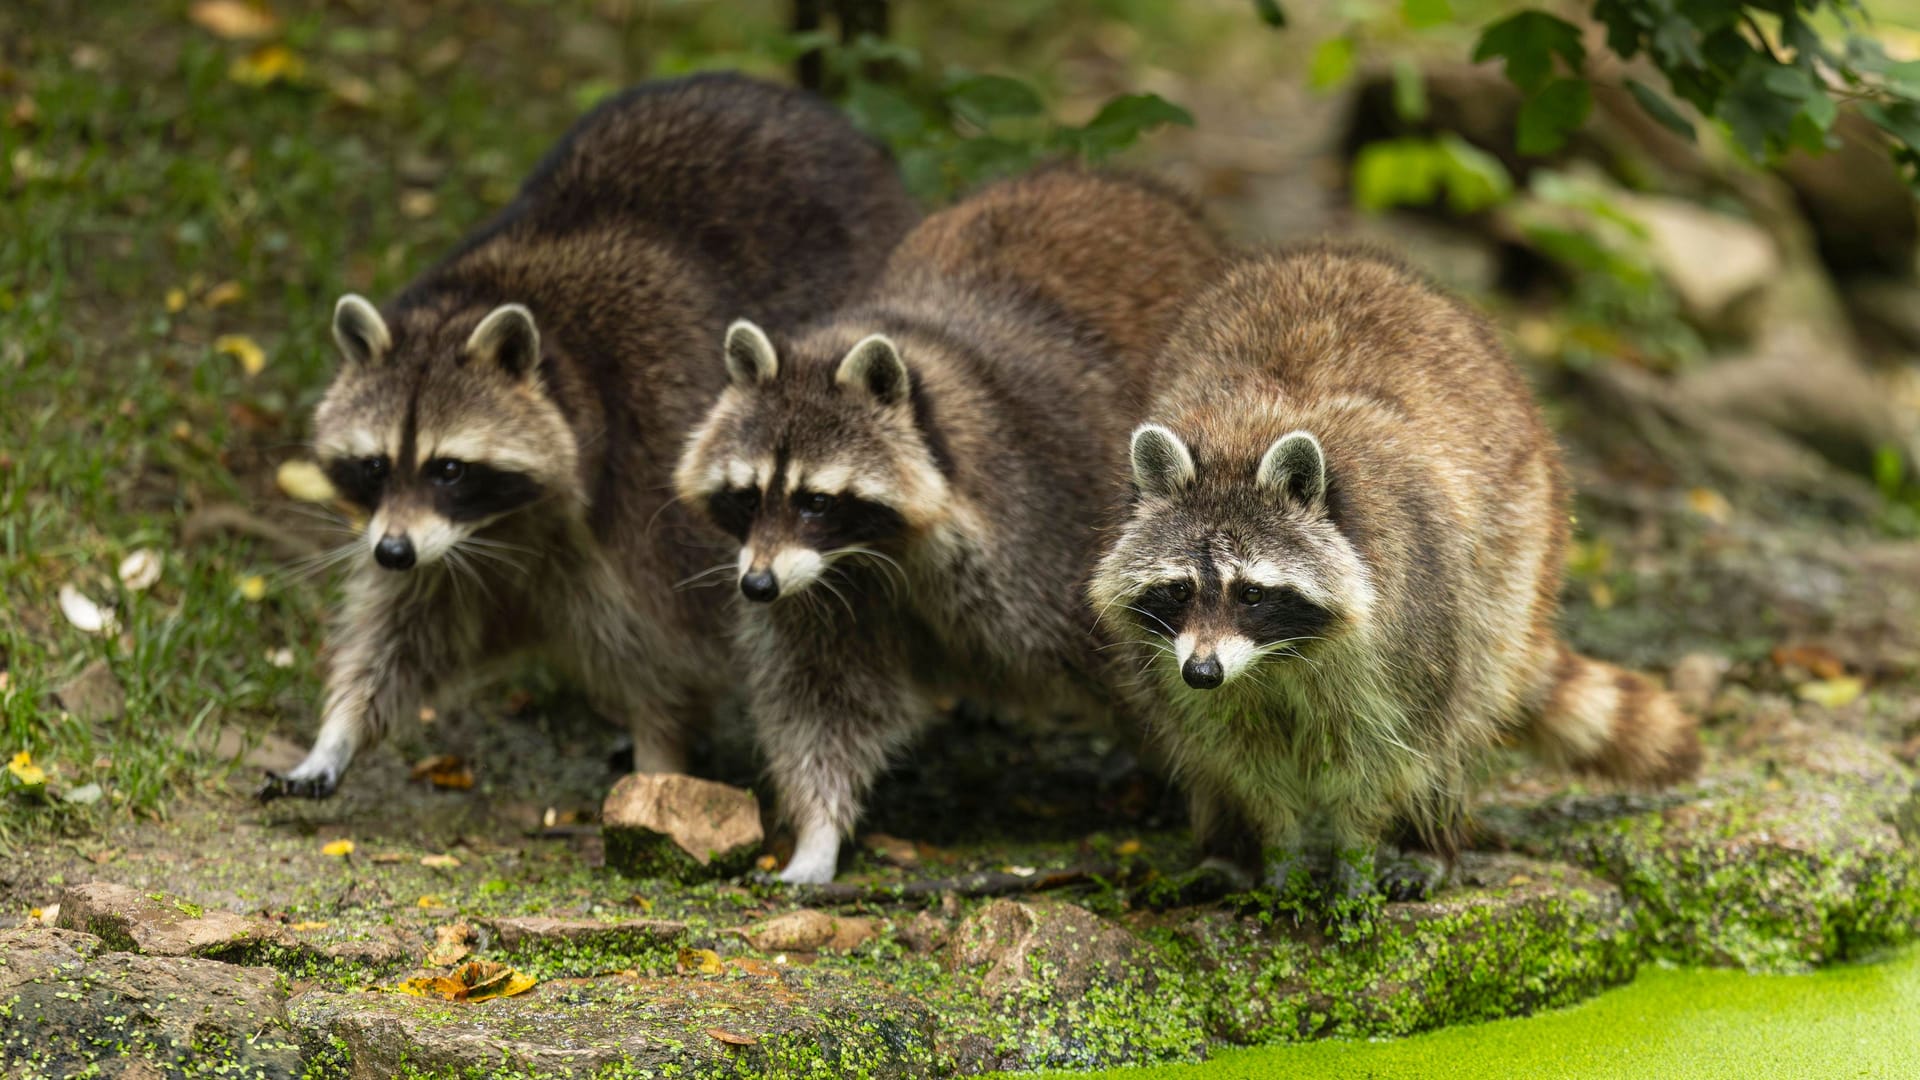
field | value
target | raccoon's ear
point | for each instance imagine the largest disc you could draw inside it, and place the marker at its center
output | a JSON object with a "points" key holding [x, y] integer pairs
{"points": [[360, 331], [507, 338], [1296, 467], [750, 356], [1162, 464], [874, 365]]}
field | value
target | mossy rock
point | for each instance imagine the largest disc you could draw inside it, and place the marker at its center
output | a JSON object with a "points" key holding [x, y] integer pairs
{"points": [[1513, 936], [1782, 876], [680, 828], [790, 1024]]}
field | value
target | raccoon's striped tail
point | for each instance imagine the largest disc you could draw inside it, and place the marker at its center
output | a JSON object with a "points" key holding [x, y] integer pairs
{"points": [[1599, 719]]}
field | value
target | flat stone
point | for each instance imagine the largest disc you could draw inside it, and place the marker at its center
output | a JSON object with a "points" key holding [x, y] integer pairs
{"points": [[150, 923], [94, 695], [793, 1023], [807, 930], [532, 931], [1508, 937], [680, 827], [76, 1008], [1712, 260]]}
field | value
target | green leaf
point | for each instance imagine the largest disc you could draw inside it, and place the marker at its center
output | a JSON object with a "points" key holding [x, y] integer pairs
{"points": [[1900, 120], [1527, 41], [1270, 12], [1548, 117], [1421, 14], [1409, 91], [884, 112], [1396, 172], [1474, 179], [982, 99], [1332, 63], [1121, 122], [1660, 109], [1760, 104]]}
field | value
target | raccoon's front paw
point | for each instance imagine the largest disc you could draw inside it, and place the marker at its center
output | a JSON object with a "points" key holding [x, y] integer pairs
{"points": [[295, 785], [812, 873], [1354, 901], [1411, 875]]}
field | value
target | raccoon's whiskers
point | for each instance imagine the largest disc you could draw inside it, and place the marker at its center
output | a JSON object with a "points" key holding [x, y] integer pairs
{"points": [[837, 594], [310, 565], [688, 582], [891, 571]]}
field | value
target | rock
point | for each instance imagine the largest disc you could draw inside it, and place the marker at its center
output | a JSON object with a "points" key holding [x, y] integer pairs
{"points": [[672, 826], [1775, 875], [1861, 210], [1696, 679], [807, 930], [793, 1023], [93, 696], [1712, 260], [1017, 943], [73, 1008], [251, 749], [149, 923], [1510, 936], [623, 939], [926, 932], [1080, 991]]}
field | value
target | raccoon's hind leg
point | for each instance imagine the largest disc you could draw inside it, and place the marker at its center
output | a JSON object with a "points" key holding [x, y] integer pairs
{"points": [[389, 653]]}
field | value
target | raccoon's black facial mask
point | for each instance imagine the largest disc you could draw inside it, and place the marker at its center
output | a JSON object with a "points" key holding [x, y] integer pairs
{"points": [[360, 481], [470, 491], [827, 521], [1261, 614]]}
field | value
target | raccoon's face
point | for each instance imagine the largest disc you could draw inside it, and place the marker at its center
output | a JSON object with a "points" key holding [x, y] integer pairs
{"points": [[442, 432], [1231, 567], [811, 460]]}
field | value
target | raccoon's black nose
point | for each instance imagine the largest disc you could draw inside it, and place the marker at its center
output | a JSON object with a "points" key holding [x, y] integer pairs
{"points": [[759, 586], [394, 553], [1203, 673]]}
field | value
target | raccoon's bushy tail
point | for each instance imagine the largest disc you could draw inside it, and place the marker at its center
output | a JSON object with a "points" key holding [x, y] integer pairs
{"points": [[1599, 719]]}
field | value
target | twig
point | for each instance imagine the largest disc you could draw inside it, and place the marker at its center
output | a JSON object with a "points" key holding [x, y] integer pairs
{"points": [[979, 883]]}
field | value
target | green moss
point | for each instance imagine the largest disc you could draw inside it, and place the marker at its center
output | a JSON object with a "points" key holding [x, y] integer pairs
{"points": [[1704, 1025]]}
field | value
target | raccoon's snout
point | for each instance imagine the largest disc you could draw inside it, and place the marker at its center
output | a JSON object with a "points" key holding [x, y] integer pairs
{"points": [[394, 553], [1203, 672], [759, 586]]}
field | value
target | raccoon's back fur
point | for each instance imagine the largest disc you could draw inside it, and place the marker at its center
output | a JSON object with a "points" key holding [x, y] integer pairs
{"points": [[509, 421], [1348, 537], [915, 483]]}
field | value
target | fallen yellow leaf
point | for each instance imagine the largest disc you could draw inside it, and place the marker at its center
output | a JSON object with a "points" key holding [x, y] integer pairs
{"points": [[476, 980], [234, 20], [428, 901], [33, 913], [1711, 505], [1127, 847], [253, 359], [303, 927], [252, 589], [25, 771], [224, 293], [730, 1038], [339, 849], [303, 480], [439, 862], [176, 301], [1833, 693], [767, 863], [703, 961], [267, 65]]}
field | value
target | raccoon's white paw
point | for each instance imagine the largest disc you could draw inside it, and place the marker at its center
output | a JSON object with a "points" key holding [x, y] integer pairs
{"points": [[318, 777], [814, 860]]}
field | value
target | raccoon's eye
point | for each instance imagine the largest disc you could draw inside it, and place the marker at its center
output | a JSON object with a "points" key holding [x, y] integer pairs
{"points": [[374, 469], [446, 470], [817, 504], [1179, 592], [1252, 594]]}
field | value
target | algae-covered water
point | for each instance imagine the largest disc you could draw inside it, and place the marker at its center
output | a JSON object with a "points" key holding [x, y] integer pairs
{"points": [[1852, 1021]]}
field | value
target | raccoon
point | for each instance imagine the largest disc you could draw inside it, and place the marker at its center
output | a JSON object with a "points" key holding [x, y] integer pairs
{"points": [[508, 422], [1344, 557], [908, 479]]}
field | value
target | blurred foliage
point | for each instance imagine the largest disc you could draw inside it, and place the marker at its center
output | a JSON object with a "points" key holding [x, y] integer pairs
{"points": [[952, 129]]}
